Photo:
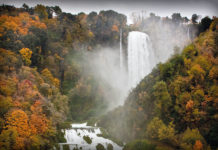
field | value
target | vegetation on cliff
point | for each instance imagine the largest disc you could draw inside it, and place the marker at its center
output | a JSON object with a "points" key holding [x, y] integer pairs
{"points": [[176, 104]]}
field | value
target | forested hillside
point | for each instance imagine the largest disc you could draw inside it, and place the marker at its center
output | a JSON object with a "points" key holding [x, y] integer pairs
{"points": [[40, 62], [46, 84], [31, 104], [175, 106]]}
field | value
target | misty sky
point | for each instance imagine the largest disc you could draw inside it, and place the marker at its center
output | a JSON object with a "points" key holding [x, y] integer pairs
{"points": [[159, 7]]}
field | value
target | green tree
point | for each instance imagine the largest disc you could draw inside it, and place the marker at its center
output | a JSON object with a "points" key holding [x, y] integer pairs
{"points": [[190, 51], [194, 18], [8, 139], [25, 6], [153, 128], [197, 74], [156, 129], [41, 11], [205, 23], [5, 104], [57, 10], [166, 71], [167, 133], [176, 18], [163, 100], [189, 137]]}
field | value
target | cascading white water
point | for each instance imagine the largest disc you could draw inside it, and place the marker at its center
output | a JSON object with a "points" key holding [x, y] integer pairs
{"points": [[121, 51], [141, 58], [188, 34], [75, 138]]}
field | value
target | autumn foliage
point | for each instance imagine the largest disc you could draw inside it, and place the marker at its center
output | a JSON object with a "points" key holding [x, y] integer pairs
{"points": [[23, 118], [8, 61], [198, 145], [175, 105], [26, 54], [42, 53], [19, 24], [49, 77], [115, 28]]}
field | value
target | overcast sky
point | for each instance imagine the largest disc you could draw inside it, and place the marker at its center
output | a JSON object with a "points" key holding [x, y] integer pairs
{"points": [[159, 7]]}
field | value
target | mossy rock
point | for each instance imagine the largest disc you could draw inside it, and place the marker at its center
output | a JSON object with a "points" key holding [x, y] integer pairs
{"points": [[100, 147], [87, 139], [110, 146]]}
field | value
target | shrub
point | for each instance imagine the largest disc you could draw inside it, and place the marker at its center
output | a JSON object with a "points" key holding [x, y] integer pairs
{"points": [[110, 146], [100, 147], [139, 145]]}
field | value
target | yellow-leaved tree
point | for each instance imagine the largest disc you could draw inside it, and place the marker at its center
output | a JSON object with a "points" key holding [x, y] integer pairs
{"points": [[49, 77], [26, 54]]}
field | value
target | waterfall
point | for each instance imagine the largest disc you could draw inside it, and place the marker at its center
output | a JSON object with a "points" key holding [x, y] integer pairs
{"points": [[121, 51], [75, 137], [141, 58], [188, 34]]}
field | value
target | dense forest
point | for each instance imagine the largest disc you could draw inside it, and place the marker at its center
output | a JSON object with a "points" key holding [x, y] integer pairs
{"points": [[175, 106], [42, 72], [45, 84]]}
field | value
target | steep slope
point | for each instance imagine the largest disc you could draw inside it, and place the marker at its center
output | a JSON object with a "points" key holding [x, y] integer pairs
{"points": [[32, 109], [175, 105], [40, 60]]}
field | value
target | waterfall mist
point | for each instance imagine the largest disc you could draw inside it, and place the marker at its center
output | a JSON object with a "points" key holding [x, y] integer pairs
{"points": [[166, 34], [104, 65], [119, 70]]}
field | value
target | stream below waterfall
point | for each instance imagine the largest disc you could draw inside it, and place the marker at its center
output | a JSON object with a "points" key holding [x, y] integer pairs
{"points": [[75, 138]]}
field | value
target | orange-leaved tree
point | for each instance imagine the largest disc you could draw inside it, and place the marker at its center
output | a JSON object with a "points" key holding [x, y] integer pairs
{"points": [[19, 24], [38, 121], [18, 120]]}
